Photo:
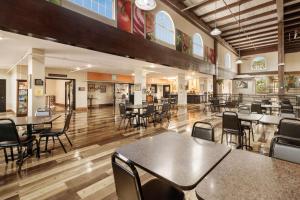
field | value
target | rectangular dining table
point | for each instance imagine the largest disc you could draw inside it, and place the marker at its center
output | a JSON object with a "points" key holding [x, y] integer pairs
{"points": [[180, 160], [245, 117], [246, 175]]}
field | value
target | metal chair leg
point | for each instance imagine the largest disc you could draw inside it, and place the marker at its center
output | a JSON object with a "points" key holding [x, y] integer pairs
{"points": [[68, 139], [5, 155], [61, 144], [12, 154], [46, 145]]}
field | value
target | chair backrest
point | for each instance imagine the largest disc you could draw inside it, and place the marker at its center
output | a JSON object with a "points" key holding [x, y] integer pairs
{"points": [[150, 109], [256, 108], [122, 109], [266, 102], [215, 102], [231, 122], [127, 181], [244, 109], [289, 127], [285, 101], [8, 131], [165, 107], [203, 130], [285, 151], [67, 121]]}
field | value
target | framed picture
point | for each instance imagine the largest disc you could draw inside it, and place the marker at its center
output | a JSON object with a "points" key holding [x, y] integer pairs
{"points": [[258, 64], [240, 84], [137, 87], [138, 21], [38, 82], [81, 88]]}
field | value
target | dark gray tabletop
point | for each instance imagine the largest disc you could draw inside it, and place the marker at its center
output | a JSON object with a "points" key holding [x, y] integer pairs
{"points": [[142, 106], [245, 117], [271, 106], [23, 121], [245, 175], [180, 160]]}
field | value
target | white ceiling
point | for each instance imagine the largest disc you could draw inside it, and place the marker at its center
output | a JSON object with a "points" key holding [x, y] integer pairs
{"points": [[15, 46]]}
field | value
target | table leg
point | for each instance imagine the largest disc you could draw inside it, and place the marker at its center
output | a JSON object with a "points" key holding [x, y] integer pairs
{"points": [[29, 133]]}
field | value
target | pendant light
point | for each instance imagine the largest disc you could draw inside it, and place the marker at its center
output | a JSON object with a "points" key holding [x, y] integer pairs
{"points": [[146, 4], [239, 61], [215, 31]]}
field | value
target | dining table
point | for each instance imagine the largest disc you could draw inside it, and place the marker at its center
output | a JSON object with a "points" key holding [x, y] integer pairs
{"points": [[246, 175], [30, 121], [180, 160], [270, 107], [251, 117]]}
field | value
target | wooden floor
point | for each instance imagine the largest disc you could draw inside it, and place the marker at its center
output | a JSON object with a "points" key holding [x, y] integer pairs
{"points": [[85, 171]]}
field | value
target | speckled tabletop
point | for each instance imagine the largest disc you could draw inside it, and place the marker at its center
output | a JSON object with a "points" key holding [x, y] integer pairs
{"points": [[180, 160], [245, 175]]}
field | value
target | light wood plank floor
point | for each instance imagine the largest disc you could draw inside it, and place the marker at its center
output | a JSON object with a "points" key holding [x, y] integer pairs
{"points": [[85, 171]]}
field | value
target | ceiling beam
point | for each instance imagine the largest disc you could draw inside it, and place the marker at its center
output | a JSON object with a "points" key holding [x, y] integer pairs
{"points": [[198, 5], [255, 8], [254, 41], [259, 46], [259, 50], [252, 24], [250, 18], [252, 35], [253, 38], [250, 31], [223, 8]]}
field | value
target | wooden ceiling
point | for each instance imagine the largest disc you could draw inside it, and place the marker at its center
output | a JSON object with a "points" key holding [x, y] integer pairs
{"points": [[258, 22]]}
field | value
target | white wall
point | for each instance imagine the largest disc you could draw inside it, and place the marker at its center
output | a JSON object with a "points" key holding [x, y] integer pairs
{"points": [[81, 81], [292, 61], [102, 98]]}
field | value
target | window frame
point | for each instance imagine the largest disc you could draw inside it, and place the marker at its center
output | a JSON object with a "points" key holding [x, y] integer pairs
{"points": [[227, 55], [200, 45], [173, 27]]}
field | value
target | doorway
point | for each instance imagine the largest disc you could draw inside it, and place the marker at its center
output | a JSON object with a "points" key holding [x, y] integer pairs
{"points": [[166, 91], [2, 95], [62, 92]]}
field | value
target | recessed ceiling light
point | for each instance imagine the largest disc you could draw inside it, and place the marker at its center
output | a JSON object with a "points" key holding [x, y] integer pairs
{"points": [[77, 68], [133, 74], [88, 65], [152, 66], [1, 38]]}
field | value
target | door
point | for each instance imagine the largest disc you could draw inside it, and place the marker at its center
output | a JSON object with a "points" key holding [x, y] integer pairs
{"points": [[2, 95], [69, 95], [166, 91]]}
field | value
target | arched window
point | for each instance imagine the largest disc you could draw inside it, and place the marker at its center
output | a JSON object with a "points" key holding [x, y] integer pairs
{"points": [[101, 7], [227, 60], [164, 28], [197, 45]]}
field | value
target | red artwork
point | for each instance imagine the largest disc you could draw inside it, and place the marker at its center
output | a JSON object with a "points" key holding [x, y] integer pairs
{"points": [[138, 22], [124, 15], [149, 26]]}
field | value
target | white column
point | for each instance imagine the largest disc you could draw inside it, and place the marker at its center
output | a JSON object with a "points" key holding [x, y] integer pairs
{"points": [[182, 95], [140, 87], [36, 70]]}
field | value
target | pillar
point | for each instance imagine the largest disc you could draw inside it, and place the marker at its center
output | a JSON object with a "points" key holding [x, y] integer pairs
{"points": [[140, 87], [280, 47], [182, 94], [36, 71], [215, 85]]}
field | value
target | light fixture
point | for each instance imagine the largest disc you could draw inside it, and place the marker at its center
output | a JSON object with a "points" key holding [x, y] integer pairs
{"points": [[1, 38], [215, 31], [77, 68], [88, 65], [145, 4], [133, 74], [239, 61]]}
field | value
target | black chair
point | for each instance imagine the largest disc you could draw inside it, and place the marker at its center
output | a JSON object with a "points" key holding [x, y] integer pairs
{"points": [[149, 113], [215, 105], [246, 125], [285, 151], [56, 133], [232, 125], [285, 101], [126, 114], [163, 113], [256, 108], [9, 138], [265, 102], [128, 184], [203, 130], [289, 127], [287, 108]]}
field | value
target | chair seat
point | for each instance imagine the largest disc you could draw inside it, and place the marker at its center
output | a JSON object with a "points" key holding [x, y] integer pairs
{"points": [[158, 190], [51, 132], [23, 139]]}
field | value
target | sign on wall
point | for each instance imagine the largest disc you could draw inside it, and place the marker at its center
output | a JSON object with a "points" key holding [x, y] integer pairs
{"points": [[258, 64], [240, 84]]}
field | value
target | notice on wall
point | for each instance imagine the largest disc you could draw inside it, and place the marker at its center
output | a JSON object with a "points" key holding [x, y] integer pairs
{"points": [[39, 91]]}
